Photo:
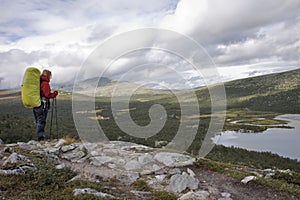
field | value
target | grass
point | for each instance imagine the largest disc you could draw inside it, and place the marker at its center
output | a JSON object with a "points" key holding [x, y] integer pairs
{"points": [[246, 120], [69, 139], [46, 182], [163, 195], [264, 122], [142, 185], [232, 170], [280, 185]]}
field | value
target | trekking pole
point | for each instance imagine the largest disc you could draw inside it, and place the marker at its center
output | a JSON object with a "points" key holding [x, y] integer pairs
{"points": [[51, 118], [56, 124]]}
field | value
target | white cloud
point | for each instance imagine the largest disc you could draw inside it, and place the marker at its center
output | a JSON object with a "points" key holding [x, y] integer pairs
{"points": [[248, 36], [244, 34], [218, 22], [188, 14], [279, 41]]}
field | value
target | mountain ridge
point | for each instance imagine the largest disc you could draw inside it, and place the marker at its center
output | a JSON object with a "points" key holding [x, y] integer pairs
{"points": [[103, 81]]}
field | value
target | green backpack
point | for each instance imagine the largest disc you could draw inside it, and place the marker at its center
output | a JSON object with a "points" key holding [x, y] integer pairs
{"points": [[31, 88]]}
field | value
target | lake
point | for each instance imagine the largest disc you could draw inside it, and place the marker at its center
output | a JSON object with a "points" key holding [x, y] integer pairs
{"points": [[281, 141]]}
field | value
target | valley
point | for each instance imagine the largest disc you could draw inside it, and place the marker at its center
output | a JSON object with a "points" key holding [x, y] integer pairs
{"points": [[248, 100]]}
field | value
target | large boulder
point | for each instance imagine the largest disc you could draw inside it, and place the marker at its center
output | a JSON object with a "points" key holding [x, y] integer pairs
{"points": [[180, 182], [174, 159]]}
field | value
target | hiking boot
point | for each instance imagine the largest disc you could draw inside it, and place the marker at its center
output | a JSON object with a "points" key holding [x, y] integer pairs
{"points": [[41, 138]]}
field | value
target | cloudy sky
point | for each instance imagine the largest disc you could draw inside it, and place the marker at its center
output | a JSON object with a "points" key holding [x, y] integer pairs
{"points": [[243, 38]]}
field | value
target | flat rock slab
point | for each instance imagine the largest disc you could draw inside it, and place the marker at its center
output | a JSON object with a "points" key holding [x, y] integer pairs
{"points": [[174, 159], [126, 161]]}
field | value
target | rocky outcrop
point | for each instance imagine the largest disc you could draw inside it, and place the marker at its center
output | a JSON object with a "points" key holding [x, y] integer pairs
{"points": [[13, 163], [125, 161], [80, 191]]}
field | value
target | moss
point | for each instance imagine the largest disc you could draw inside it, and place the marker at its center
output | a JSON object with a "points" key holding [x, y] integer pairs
{"points": [[232, 170], [141, 185], [280, 185], [163, 195], [289, 177]]}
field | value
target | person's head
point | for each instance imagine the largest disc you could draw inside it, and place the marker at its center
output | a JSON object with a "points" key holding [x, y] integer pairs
{"points": [[46, 73]]}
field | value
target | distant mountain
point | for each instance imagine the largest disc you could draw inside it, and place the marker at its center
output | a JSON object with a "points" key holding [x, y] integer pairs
{"points": [[106, 86], [103, 81], [82, 85]]}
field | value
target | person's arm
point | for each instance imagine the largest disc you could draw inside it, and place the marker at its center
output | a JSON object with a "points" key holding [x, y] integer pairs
{"points": [[46, 91]]}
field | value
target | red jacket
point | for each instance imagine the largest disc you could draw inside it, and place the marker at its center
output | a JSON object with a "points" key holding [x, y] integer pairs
{"points": [[45, 88]]}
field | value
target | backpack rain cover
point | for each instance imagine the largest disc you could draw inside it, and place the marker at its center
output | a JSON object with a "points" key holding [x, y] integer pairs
{"points": [[31, 88]]}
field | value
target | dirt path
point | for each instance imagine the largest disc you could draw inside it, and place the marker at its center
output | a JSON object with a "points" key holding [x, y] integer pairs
{"points": [[212, 180]]}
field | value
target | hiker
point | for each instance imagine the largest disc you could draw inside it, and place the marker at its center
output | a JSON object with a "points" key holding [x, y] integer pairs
{"points": [[40, 113]]}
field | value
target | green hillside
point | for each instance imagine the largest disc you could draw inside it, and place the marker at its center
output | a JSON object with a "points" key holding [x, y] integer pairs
{"points": [[278, 92]]}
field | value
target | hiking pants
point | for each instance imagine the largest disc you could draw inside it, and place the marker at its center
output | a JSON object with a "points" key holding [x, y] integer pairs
{"points": [[40, 115]]}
